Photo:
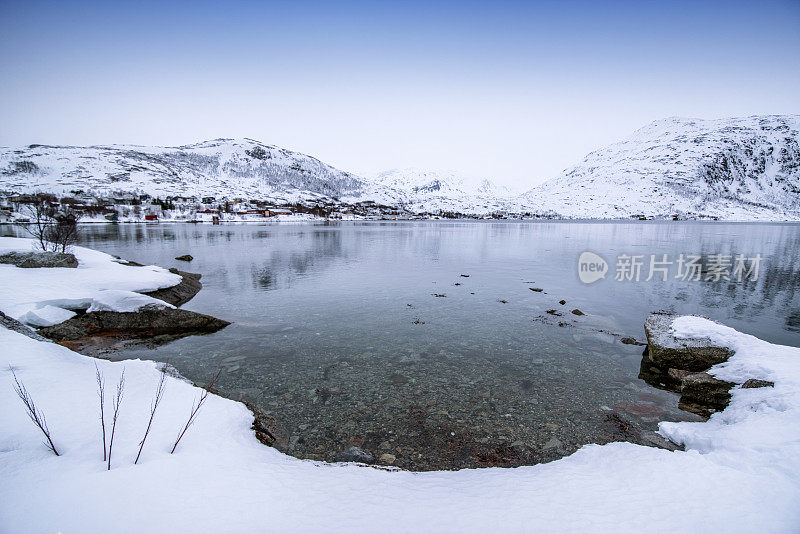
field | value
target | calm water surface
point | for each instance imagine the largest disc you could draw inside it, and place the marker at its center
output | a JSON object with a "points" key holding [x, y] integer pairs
{"points": [[338, 333]]}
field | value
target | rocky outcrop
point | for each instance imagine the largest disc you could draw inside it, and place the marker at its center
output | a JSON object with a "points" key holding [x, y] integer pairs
{"points": [[33, 260], [668, 352], [680, 365], [703, 394], [148, 322], [180, 294], [16, 326]]}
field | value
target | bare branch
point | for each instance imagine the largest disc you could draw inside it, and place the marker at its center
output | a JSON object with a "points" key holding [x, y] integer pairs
{"points": [[195, 409], [116, 401], [35, 415], [101, 392], [153, 408]]}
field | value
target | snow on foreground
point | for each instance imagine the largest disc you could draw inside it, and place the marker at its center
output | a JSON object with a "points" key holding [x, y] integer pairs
{"points": [[740, 472], [100, 281]]}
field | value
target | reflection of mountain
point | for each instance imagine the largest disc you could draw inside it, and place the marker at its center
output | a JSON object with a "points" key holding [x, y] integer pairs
{"points": [[290, 259]]}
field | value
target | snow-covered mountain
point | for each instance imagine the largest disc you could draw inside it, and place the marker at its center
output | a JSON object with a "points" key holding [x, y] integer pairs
{"points": [[222, 167], [742, 168], [432, 191]]}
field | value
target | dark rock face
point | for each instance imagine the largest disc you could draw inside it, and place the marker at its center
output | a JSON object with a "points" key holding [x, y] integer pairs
{"points": [[182, 293], [668, 352], [264, 425], [16, 326], [185, 257], [703, 394], [149, 321], [576, 311], [355, 454], [755, 383], [33, 260]]}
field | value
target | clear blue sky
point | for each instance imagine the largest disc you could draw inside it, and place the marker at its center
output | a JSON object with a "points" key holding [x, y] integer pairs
{"points": [[514, 91]]}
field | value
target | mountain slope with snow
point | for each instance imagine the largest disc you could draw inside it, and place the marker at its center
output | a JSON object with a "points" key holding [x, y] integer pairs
{"points": [[741, 168], [432, 191], [222, 167]]}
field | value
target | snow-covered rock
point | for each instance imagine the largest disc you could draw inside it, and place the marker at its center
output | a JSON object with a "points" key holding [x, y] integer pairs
{"points": [[741, 168], [24, 291], [47, 315], [117, 300]]}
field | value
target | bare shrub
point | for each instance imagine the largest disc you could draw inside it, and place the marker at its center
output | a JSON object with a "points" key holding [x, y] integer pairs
{"points": [[116, 401], [195, 409], [35, 414], [153, 408], [101, 392]]}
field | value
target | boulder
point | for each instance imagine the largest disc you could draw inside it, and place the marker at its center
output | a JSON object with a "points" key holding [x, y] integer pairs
{"points": [[354, 454], [703, 394], [180, 294], [185, 257], [149, 321], [667, 351], [33, 260]]}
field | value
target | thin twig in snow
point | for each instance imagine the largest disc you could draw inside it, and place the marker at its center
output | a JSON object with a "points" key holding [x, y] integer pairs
{"points": [[101, 392], [35, 415], [116, 401], [195, 408], [153, 408]]}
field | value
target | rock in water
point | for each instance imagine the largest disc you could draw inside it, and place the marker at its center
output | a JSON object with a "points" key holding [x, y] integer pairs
{"points": [[185, 257], [33, 260], [180, 294], [354, 454], [632, 341], [148, 322], [666, 351]]}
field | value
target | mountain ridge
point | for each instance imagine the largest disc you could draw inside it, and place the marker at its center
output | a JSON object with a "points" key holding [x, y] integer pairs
{"points": [[744, 168]]}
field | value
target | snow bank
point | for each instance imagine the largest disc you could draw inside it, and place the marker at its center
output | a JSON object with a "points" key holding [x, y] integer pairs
{"points": [[740, 471], [117, 300], [23, 291], [46, 316]]}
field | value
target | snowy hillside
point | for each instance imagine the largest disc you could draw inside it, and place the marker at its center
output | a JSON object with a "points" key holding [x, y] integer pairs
{"points": [[222, 167], [744, 168], [431, 191], [734, 169]]}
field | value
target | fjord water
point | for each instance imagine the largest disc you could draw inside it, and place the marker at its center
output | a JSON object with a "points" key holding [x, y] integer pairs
{"points": [[423, 342]]}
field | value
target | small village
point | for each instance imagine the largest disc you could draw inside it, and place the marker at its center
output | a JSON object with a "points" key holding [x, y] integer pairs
{"points": [[141, 207]]}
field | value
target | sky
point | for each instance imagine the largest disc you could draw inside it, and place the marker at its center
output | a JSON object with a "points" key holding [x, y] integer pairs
{"points": [[510, 91]]}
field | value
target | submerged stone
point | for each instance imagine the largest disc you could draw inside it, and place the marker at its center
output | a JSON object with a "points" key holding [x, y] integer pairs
{"points": [[355, 454]]}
